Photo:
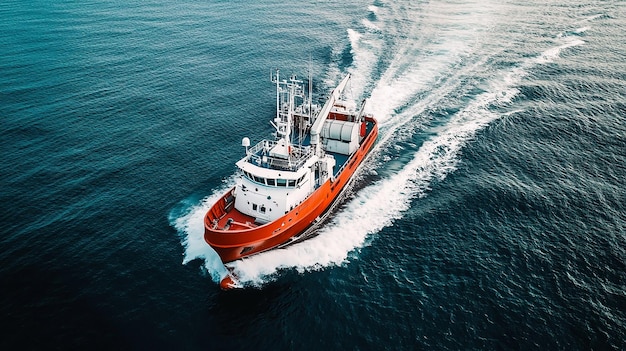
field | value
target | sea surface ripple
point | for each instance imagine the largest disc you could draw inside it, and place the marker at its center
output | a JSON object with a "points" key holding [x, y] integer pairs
{"points": [[490, 214]]}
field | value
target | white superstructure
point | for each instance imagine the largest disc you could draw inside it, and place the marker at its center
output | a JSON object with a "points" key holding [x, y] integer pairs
{"points": [[277, 175]]}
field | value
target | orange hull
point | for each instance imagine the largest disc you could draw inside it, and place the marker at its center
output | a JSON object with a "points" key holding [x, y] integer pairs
{"points": [[244, 239]]}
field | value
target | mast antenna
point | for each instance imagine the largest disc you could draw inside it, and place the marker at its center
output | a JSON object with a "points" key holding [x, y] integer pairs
{"points": [[310, 89]]}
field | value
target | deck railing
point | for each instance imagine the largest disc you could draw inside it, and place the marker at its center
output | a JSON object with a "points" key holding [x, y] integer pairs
{"points": [[259, 155]]}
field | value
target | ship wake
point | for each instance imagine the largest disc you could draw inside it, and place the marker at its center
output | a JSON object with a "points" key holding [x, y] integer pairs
{"points": [[420, 78]]}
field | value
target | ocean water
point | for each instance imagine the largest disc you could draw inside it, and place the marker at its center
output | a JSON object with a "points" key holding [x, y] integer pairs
{"points": [[490, 215]]}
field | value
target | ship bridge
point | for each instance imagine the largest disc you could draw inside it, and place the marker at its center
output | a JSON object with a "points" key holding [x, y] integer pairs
{"points": [[279, 155], [277, 176]]}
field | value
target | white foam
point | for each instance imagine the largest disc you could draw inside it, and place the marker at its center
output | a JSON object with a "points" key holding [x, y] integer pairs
{"points": [[373, 9], [365, 49], [581, 30], [591, 18], [190, 226], [369, 25], [354, 37], [550, 55]]}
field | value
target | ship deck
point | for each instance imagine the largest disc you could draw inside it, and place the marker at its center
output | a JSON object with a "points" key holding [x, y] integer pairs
{"points": [[235, 220]]}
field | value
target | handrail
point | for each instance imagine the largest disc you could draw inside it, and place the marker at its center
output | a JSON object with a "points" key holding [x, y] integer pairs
{"points": [[297, 158]]}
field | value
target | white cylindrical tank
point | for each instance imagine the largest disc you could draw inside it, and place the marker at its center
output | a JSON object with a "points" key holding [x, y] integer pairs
{"points": [[340, 130]]}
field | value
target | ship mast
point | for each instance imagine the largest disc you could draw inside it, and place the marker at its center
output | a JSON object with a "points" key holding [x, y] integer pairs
{"points": [[310, 110], [284, 108], [310, 92], [286, 93], [277, 80]]}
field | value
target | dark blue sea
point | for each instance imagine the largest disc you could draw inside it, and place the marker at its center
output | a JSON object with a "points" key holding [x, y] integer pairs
{"points": [[490, 215]]}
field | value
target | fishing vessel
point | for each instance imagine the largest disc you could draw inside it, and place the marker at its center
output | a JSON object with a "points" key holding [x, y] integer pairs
{"points": [[289, 183]]}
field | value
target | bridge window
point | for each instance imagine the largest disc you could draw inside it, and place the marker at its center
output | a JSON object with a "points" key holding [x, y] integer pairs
{"points": [[271, 182], [281, 182], [292, 183]]}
